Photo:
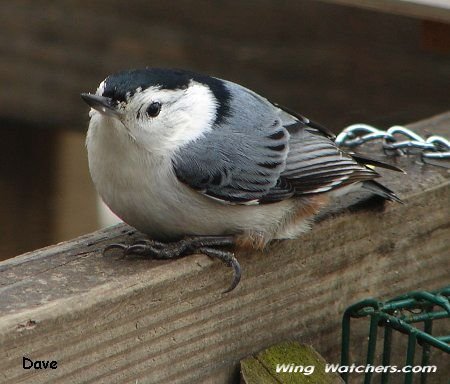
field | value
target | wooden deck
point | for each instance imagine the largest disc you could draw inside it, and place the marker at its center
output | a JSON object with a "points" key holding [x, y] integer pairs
{"points": [[111, 320]]}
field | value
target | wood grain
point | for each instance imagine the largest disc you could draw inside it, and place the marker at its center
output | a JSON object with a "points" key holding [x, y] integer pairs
{"points": [[111, 320]]}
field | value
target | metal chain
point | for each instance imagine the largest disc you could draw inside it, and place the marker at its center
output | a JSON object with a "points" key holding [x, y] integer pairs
{"points": [[397, 140]]}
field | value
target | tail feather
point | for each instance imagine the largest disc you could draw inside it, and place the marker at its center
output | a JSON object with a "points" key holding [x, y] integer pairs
{"points": [[377, 163], [380, 190]]}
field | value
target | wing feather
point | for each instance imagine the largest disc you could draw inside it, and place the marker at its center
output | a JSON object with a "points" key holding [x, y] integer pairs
{"points": [[315, 164], [264, 153], [240, 160]]}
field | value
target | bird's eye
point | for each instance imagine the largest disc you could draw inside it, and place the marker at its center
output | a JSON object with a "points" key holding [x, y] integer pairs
{"points": [[153, 109]]}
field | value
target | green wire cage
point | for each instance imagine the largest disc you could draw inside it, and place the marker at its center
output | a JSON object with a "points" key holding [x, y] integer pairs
{"points": [[413, 315]]}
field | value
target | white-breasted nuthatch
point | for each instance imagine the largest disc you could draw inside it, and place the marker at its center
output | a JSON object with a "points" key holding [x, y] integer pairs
{"points": [[175, 153]]}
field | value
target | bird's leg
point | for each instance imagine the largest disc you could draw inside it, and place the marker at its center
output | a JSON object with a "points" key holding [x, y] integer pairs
{"points": [[185, 247]]}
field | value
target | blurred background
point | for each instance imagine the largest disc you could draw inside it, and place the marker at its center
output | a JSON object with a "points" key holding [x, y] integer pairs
{"points": [[335, 63]]}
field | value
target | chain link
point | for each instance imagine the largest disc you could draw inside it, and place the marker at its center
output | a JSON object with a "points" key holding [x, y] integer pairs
{"points": [[397, 141]]}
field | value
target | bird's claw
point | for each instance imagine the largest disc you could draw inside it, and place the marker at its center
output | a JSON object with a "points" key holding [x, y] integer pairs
{"points": [[185, 247], [234, 263], [230, 261]]}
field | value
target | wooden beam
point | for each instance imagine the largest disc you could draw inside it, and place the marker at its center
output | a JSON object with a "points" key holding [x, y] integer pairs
{"points": [[131, 320]]}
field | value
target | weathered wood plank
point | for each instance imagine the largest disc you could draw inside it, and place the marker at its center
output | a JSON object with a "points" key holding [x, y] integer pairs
{"points": [[111, 320]]}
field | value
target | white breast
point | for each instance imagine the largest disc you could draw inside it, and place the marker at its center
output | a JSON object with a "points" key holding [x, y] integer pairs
{"points": [[142, 189]]}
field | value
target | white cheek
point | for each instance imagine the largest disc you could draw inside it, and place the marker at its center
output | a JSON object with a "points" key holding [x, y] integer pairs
{"points": [[196, 112], [185, 116]]}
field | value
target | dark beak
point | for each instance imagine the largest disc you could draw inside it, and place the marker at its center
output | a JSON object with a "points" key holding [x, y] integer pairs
{"points": [[104, 105]]}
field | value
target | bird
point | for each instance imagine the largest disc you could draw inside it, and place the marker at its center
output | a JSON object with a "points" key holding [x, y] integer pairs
{"points": [[201, 164]]}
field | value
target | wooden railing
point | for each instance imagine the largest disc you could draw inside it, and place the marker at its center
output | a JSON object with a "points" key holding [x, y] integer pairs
{"points": [[112, 320]]}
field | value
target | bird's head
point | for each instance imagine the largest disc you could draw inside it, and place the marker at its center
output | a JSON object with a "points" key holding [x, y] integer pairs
{"points": [[159, 109]]}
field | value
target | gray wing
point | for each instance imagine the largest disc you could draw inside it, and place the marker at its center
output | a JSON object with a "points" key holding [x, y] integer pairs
{"points": [[264, 153], [315, 164], [240, 160]]}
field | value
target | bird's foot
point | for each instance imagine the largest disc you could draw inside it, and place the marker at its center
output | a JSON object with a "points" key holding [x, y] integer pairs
{"points": [[185, 247]]}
